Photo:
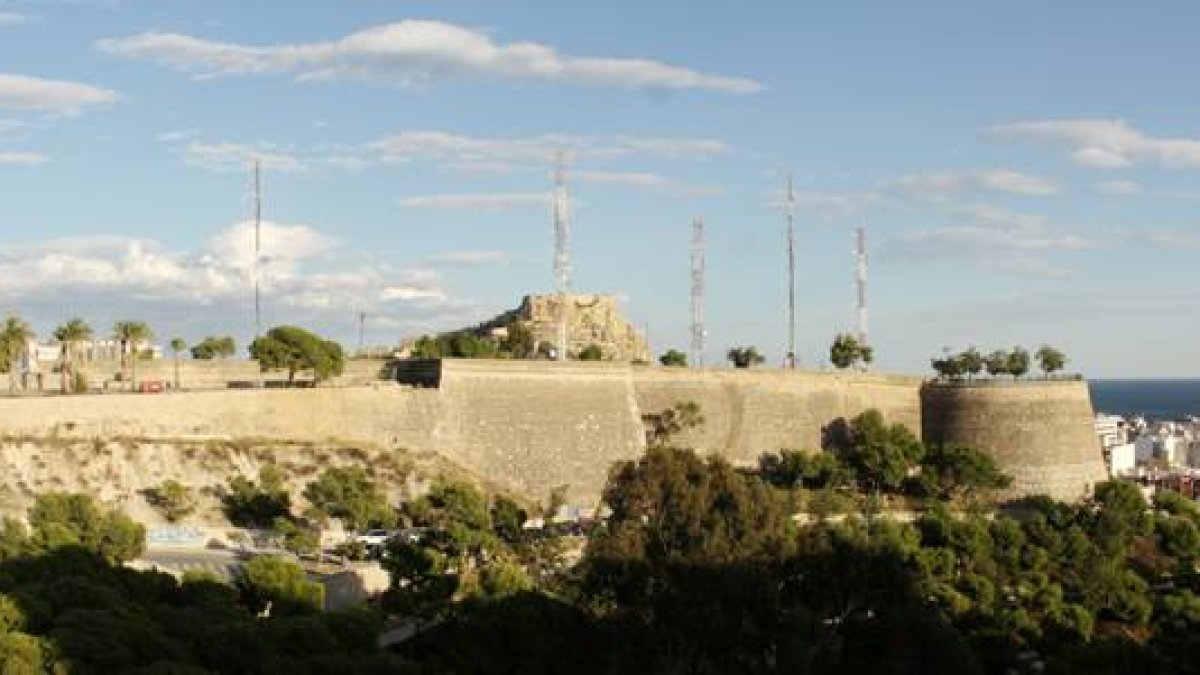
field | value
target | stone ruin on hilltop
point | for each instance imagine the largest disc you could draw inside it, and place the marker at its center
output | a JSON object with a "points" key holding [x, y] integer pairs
{"points": [[592, 319]]}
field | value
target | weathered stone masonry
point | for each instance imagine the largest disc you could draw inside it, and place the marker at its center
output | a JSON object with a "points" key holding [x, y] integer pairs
{"points": [[533, 426]]}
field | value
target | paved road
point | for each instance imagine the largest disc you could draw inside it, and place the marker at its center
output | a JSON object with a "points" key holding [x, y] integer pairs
{"points": [[224, 564]]}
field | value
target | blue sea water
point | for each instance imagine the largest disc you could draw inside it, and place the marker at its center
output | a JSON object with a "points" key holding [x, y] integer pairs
{"points": [[1156, 399]]}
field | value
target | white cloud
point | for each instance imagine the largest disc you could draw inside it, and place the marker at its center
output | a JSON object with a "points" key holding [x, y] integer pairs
{"points": [[677, 148], [9, 18], [20, 92], [473, 258], [645, 181], [299, 269], [834, 205], [410, 293], [941, 184], [1119, 188], [22, 158], [177, 135], [227, 156], [464, 154], [415, 52], [1166, 238], [979, 232], [480, 202], [283, 246], [1104, 144], [410, 145]]}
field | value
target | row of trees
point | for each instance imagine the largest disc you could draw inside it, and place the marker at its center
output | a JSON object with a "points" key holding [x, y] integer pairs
{"points": [[873, 457], [517, 342], [16, 334], [72, 335], [971, 362]]}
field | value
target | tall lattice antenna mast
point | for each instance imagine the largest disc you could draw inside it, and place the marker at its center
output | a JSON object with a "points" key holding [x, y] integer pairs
{"points": [[790, 360], [860, 278], [698, 292], [562, 254], [257, 249]]}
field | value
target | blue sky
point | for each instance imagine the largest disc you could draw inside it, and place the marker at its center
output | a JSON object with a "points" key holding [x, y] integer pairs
{"points": [[1026, 170]]}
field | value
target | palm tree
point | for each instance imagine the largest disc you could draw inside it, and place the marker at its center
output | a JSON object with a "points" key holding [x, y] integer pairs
{"points": [[177, 345], [15, 335], [130, 334], [69, 336]]}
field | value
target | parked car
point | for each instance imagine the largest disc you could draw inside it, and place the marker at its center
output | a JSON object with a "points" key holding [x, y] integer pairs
{"points": [[372, 538]]}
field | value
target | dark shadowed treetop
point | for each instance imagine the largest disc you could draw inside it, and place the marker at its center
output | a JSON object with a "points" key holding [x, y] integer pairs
{"points": [[673, 357], [1050, 359], [744, 357], [214, 347], [846, 351], [673, 506]]}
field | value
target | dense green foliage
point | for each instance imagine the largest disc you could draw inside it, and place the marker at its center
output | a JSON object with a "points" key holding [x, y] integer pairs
{"points": [[349, 494], [68, 606], [700, 568], [878, 458], [846, 352], [673, 357], [592, 352], [174, 500], [214, 347], [15, 335], [999, 362], [517, 342], [1050, 359], [296, 350], [744, 357], [257, 504], [62, 520]]}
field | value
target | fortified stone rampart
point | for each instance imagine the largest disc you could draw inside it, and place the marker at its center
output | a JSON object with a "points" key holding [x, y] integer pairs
{"points": [[205, 374], [534, 425], [1040, 431], [748, 412]]}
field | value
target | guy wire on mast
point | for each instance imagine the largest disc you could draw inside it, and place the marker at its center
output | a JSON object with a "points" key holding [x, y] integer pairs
{"points": [[790, 359], [697, 355], [562, 259]]}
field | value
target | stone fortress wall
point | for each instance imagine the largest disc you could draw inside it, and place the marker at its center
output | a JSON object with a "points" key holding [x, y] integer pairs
{"points": [[534, 425], [1040, 431]]}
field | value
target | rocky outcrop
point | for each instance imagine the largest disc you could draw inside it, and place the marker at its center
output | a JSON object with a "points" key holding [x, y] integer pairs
{"points": [[591, 319]]}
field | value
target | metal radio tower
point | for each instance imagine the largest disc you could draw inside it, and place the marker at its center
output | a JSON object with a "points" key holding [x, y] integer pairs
{"points": [[790, 206], [698, 292], [860, 278], [562, 254]]}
